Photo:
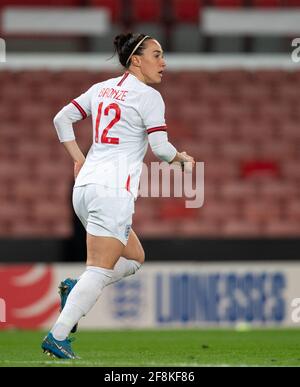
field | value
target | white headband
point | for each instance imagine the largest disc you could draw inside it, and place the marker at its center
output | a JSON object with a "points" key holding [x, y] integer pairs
{"points": [[136, 47]]}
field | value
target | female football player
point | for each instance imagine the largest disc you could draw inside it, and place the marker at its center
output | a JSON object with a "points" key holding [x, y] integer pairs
{"points": [[127, 114]]}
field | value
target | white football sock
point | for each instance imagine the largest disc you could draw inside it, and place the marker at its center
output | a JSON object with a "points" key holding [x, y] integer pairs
{"points": [[81, 299], [123, 268]]}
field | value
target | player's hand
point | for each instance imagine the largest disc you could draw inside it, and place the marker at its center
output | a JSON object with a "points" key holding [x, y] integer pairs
{"points": [[187, 158], [187, 162], [77, 167]]}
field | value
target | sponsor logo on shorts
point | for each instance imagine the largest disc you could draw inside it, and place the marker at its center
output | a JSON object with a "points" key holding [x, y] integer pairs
{"points": [[127, 231]]}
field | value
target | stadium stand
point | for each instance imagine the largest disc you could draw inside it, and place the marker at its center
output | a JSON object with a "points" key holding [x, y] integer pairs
{"points": [[245, 130], [241, 123], [173, 22]]}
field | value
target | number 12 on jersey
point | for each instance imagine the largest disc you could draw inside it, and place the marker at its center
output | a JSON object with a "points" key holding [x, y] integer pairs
{"points": [[104, 138]]}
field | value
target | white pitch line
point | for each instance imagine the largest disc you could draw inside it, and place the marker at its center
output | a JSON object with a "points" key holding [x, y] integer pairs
{"points": [[88, 363]]}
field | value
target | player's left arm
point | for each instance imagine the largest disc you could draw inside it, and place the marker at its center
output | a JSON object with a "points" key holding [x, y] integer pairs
{"points": [[165, 151], [153, 114]]}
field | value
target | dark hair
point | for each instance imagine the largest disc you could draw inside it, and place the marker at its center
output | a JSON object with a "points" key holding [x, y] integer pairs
{"points": [[125, 44]]}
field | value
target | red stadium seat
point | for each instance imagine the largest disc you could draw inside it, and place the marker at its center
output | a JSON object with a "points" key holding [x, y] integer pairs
{"points": [[291, 3], [227, 3], [217, 210], [267, 3], [278, 150], [212, 131], [238, 122], [10, 212], [253, 131], [270, 77], [221, 170], [261, 211], [40, 229], [241, 228], [201, 151], [229, 77], [50, 211], [290, 170], [293, 210], [239, 150], [146, 208], [145, 11], [280, 190], [235, 190], [282, 229], [186, 11], [175, 209], [257, 168], [39, 3], [207, 228], [151, 229]]}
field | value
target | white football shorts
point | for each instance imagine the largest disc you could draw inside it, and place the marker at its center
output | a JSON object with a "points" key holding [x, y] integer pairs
{"points": [[104, 211]]}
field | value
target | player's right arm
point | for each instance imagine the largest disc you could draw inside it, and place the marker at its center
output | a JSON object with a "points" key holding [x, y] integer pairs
{"points": [[75, 152], [78, 109]]}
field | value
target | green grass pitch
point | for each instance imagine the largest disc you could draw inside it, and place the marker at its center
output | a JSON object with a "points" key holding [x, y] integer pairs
{"points": [[155, 348]]}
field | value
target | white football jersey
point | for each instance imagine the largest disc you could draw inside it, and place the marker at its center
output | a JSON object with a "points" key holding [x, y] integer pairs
{"points": [[124, 111]]}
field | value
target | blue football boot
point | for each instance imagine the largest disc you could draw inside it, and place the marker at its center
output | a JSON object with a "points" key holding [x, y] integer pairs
{"points": [[56, 348], [65, 288]]}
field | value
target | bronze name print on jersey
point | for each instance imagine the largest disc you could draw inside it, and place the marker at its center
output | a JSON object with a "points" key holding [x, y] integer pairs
{"points": [[119, 95]]}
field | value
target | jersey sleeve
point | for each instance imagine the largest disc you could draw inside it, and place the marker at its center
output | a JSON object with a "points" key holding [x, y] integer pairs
{"points": [[83, 103], [152, 111]]}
